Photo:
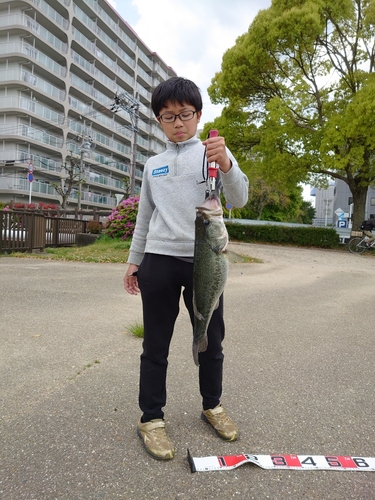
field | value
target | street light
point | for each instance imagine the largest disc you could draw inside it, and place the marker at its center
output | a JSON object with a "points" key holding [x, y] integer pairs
{"points": [[130, 104]]}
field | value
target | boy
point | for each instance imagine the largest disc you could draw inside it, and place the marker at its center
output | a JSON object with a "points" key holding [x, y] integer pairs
{"points": [[161, 257]]}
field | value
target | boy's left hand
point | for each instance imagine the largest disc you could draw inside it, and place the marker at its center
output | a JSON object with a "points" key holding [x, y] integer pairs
{"points": [[216, 152]]}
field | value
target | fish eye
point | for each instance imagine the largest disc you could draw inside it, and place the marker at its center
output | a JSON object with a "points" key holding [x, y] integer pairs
{"points": [[206, 222]]}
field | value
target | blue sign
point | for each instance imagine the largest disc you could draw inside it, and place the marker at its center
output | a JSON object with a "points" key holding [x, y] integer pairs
{"points": [[31, 177], [228, 206], [343, 224]]}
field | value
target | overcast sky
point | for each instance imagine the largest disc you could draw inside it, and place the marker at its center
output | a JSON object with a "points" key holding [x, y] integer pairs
{"points": [[191, 36]]}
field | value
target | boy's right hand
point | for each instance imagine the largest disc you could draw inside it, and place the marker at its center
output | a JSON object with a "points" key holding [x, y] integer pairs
{"points": [[130, 281]]}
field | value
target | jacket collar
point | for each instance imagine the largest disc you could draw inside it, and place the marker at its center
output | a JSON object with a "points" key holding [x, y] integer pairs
{"points": [[177, 145]]}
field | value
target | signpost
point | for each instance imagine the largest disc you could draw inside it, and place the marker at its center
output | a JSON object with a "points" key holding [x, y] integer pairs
{"points": [[341, 222], [229, 207], [31, 178]]}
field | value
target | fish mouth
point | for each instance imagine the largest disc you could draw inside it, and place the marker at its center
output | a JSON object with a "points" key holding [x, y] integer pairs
{"points": [[211, 205]]}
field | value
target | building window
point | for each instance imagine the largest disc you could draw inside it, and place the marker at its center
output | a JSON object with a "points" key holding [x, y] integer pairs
{"points": [[372, 201]]}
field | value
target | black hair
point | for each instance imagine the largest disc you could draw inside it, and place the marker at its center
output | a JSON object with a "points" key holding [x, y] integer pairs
{"points": [[176, 89]]}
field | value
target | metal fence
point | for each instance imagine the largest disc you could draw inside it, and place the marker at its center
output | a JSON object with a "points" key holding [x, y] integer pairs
{"points": [[25, 231]]}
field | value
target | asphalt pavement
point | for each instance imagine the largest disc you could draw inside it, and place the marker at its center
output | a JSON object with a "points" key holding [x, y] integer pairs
{"points": [[299, 379]]}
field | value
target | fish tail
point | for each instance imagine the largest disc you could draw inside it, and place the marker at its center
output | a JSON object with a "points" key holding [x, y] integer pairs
{"points": [[199, 346]]}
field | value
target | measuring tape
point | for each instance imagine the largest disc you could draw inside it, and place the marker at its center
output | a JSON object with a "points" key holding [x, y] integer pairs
{"points": [[289, 462]]}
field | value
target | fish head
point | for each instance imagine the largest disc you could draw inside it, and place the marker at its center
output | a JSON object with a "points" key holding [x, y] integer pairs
{"points": [[210, 224]]}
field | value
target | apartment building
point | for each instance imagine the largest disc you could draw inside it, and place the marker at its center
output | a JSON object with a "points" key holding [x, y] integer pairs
{"points": [[62, 63]]}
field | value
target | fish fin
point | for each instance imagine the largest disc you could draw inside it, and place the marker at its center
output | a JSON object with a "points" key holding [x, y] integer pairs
{"points": [[198, 347]]}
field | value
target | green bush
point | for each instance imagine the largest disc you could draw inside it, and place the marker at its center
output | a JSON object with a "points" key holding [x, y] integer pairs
{"points": [[121, 222], [300, 236]]}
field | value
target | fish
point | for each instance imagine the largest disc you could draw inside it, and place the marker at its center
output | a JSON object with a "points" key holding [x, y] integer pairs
{"points": [[210, 269]]}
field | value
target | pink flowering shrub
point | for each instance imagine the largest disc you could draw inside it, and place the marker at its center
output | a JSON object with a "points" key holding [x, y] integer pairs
{"points": [[121, 222]]}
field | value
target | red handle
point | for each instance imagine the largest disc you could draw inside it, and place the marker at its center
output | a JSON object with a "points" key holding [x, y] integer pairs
{"points": [[212, 167]]}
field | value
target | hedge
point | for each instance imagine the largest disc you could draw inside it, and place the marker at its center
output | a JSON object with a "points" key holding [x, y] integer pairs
{"points": [[300, 236]]}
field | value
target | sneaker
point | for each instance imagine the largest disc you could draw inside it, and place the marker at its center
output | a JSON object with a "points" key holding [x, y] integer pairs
{"points": [[223, 425], [155, 439]]}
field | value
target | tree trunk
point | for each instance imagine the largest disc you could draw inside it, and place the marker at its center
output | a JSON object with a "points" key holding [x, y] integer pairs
{"points": [[359, 201]]}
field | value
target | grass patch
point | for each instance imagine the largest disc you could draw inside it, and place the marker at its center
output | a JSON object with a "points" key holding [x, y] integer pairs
{"points": [[104, 249], [251, 260], [136, 329], [237, 258]]}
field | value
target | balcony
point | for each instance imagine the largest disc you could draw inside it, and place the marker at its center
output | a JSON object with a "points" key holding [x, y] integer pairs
{"points": [[94, 198], [40, 162], [35, 134], [144, 92], [144, 58], [32, 106], [21, 75], [22, 185], [90, 68], [107, 61], [31, 52], [103, 180], [26, 21], [110, 22], [110, 42], [51, 13], [109, 161]]}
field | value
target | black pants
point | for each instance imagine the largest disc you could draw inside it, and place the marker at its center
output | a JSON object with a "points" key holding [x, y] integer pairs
{"points": [[161, 279]]}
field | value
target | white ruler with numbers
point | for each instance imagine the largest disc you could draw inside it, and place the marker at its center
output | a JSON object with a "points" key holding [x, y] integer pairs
{"points": [[290, 462]]}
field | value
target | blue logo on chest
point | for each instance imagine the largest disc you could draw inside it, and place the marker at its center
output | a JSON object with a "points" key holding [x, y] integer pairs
{"points": [[158, 172]]}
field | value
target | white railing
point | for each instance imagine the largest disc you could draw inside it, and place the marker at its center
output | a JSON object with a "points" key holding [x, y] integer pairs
{"points": [[33, 133], [103, 180], [21, 184], [24, 48], [22, 75], [32, 107], [24, 20], [51, 13], [142, 73]]}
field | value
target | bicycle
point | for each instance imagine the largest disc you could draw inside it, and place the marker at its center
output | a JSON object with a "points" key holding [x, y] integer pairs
{"points": [[358, 244]]}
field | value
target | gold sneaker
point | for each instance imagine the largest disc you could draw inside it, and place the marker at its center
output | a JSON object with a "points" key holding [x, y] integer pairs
{"points": [[155, 439], [223, 425]]}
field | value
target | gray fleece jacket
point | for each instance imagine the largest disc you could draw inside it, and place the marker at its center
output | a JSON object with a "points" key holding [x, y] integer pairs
{"points": [[171, 189]]}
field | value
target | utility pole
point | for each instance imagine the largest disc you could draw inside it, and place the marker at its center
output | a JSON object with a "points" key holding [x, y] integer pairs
{"points": [[130, 104]]}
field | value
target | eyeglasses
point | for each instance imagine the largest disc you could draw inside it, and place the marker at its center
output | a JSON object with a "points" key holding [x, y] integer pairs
{"points": [[171, 117]]}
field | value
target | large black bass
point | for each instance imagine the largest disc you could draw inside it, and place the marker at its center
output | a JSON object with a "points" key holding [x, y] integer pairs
{"points": [[210, 268]]}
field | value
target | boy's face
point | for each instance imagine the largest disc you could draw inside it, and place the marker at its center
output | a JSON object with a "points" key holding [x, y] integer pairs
{"points": [[179, 130]]}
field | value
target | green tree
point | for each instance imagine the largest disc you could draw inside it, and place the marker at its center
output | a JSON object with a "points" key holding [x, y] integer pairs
{"points": [[307, 212], [301, 84], [268, 202]]}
